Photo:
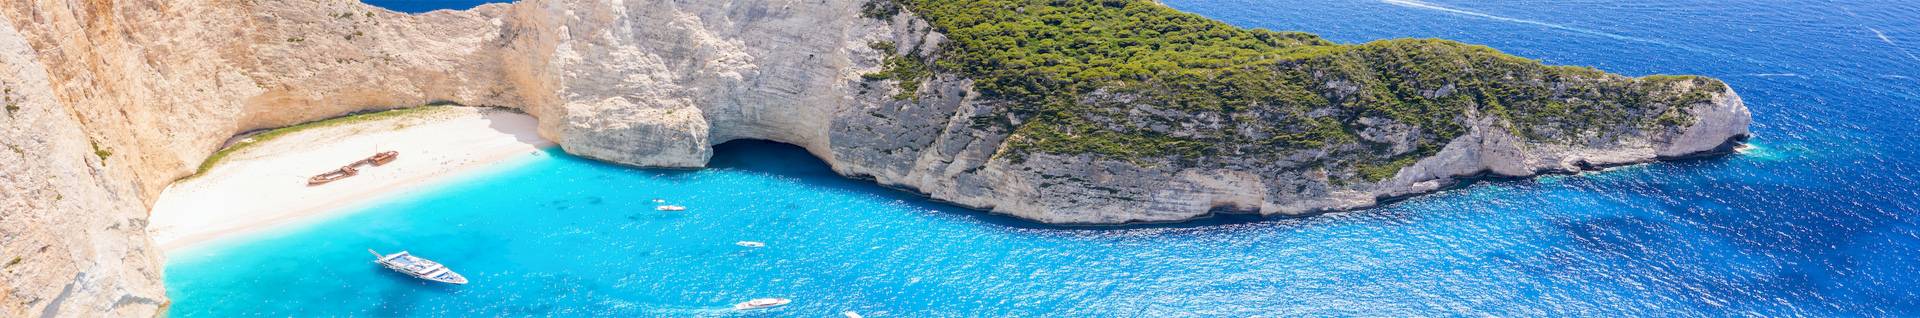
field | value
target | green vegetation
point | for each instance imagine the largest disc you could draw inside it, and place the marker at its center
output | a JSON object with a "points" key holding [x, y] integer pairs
{"points": [[11, 106], [909, 70], [283, 131], [103, 153], [1133, 79], [879, 9], [1375, 172]]}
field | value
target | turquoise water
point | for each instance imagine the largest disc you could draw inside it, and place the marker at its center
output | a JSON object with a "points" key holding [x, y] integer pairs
{"points": [[1818, 220]]}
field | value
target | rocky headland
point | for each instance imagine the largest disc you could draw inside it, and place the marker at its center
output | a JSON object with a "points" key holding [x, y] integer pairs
{"points": [[1163, 116]]}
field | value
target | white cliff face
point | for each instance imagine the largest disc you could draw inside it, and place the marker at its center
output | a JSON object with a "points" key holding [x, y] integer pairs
{"points": [[161, 85], [1724, 118], [72, 227], [1489, 150], [657, 83]]}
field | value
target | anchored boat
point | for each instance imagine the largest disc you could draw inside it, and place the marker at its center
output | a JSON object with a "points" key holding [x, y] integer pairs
{"points": [[418, 267], [761, 303], [670, 208]]}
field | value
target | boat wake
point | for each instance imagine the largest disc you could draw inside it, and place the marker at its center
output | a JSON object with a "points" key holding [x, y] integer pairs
{"points": [[1896, 46], [692, 312], [1417, 4]]}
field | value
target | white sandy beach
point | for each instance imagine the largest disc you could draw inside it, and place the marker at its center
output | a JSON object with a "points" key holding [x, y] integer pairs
{"points": [[266, 185]]}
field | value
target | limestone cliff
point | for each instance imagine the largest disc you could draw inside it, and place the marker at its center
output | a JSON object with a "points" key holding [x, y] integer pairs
{"points": [[109, 101]]}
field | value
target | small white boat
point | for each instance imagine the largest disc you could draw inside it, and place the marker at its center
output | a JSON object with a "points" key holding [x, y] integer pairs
{"points": [[750, 244], [671, 208], [418, 267], [851, 314], [761, 303]]}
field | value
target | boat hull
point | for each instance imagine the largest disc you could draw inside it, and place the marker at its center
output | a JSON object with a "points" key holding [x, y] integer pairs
{"points": [[417, 267]]}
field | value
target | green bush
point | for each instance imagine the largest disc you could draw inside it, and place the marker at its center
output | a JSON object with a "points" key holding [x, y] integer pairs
{"points": [[103, 153]]}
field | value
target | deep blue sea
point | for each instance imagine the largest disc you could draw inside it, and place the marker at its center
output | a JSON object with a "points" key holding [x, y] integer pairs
{"points": [[1819, 219]]}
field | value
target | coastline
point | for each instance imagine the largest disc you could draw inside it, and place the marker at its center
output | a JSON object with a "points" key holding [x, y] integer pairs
{"points": [[264, 186]]}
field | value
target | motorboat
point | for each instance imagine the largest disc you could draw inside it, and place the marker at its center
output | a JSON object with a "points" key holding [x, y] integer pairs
{"points": [[761, 303], [750, 244], [417, 267], [671, 208]]}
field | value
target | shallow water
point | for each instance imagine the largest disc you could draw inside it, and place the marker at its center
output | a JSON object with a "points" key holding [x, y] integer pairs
{"points": [[1817, 220]]}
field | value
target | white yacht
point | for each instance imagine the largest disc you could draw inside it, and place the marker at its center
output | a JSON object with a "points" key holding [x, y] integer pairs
{"points": [[418, 267], [671, 208]]}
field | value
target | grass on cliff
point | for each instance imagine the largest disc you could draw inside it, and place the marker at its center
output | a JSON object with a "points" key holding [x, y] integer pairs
{"points": [[909, 70], [274, 133], [1260, 90]]}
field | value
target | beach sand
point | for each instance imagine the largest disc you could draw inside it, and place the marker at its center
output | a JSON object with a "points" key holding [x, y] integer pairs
{"points": [[265, 185]]}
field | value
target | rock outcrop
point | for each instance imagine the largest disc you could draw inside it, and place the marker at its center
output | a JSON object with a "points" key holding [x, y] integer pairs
{"points": [[109, 101]]}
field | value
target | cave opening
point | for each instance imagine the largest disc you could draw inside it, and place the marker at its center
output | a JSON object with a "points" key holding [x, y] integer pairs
{"points": [[768, 156], [424, 6]]}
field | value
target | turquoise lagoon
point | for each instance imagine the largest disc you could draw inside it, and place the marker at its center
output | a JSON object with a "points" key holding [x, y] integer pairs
{"points": [[1818, 219]]}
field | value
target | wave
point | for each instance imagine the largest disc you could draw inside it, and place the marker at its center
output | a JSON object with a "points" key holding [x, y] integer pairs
{"points": [[1417, 4]]}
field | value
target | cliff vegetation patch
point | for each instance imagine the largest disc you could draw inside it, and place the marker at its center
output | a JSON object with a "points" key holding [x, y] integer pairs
{"points": [[908, 70], [1133, 79], [271, 134]]}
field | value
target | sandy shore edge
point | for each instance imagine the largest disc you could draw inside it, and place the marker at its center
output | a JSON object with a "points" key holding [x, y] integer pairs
{"points": [[264, 186]]}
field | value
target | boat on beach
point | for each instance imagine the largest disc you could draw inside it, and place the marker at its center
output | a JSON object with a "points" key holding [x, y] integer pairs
{"points": [[332, 176], [382, 158], [417, 267], [378, 159], [761, 303]]}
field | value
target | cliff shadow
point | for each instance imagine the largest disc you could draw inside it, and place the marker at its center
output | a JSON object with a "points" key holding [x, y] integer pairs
{"points": [[786, 160]]}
